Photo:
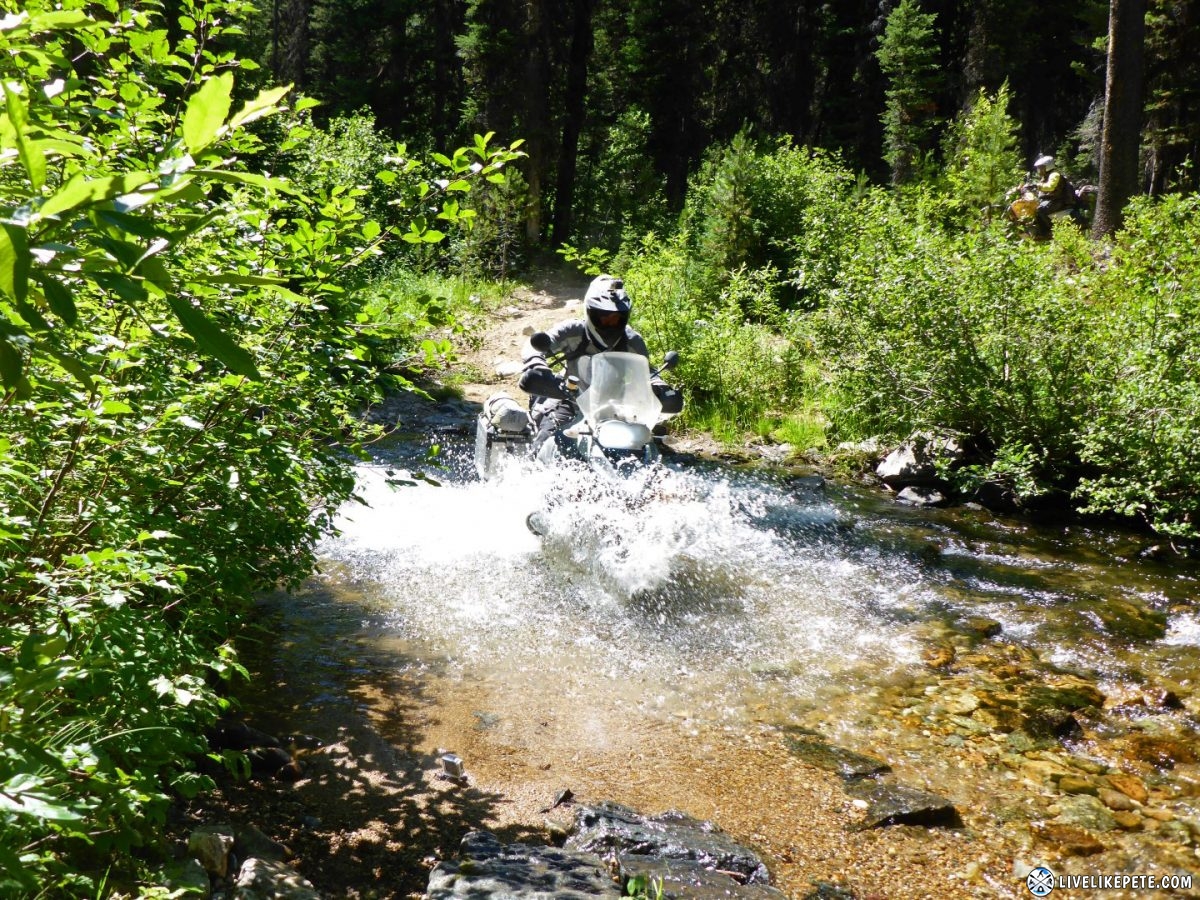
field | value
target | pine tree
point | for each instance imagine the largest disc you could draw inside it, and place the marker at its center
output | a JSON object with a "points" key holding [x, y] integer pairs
{"points": [[908, 57]]}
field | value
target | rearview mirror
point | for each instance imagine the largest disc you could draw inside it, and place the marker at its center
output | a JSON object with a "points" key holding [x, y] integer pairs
{"points": [[670, 360], [540, 341]]}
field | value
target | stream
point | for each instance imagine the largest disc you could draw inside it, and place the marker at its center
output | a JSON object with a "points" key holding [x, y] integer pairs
{"points": [[667, 640]]}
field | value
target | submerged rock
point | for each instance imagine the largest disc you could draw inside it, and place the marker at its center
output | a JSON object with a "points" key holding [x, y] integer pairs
{"points": [[489, 870], [608, 828], [843, 762], [1132, 621], [1068, 839], [685, 879], [1161, 752], [1086, 811], [895, 804]]}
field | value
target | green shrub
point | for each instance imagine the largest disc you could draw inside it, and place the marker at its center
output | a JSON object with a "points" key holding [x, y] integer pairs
{"points": [[178, 352], [1140, 438]]}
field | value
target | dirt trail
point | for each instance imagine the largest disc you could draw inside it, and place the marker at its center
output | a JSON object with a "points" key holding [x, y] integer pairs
{"points": [[491, 354]]}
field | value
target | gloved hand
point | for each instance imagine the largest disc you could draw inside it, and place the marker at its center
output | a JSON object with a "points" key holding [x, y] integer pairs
{"points": [[542, 382]]}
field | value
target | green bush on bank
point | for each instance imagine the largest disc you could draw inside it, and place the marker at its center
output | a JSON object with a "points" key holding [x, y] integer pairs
{"points": [[178, 350], [1069, 367]]}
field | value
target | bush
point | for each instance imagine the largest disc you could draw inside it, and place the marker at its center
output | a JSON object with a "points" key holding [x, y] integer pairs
{"points": [[178, 352]]}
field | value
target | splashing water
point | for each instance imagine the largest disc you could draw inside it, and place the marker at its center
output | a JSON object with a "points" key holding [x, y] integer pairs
{"points": [[663, 570]]}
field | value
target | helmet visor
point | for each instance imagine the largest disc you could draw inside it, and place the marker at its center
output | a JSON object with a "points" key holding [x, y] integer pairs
{"points": [[608, 318]]}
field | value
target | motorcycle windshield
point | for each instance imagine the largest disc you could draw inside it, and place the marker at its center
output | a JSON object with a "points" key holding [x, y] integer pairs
{"points": [[618, 387]]}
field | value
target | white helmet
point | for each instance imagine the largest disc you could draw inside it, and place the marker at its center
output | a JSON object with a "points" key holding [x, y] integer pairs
{"points": [[1043, 161], [607, 307]]}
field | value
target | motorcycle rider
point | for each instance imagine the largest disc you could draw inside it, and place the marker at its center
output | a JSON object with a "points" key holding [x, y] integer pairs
{"points": [[1054, 192], [605, 326]]}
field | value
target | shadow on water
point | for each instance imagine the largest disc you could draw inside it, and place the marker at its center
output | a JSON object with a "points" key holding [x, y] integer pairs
{"points": [[371, 805]]}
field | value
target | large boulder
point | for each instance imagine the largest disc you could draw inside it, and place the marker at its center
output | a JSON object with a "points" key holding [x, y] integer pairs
{"points": [[489, 870], [915, 462], [609, 829]]}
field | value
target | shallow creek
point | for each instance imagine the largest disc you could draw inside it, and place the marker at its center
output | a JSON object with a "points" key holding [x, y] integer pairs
{"points": [[665, 644]]}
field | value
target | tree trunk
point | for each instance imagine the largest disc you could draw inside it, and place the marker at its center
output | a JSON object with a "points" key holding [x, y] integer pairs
{"points": [[1121, 138], [575, 103], [293, 30], [537, 115]]}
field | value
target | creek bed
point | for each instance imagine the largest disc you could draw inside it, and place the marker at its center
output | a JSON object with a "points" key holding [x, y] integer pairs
{"points": [[665, 643]]}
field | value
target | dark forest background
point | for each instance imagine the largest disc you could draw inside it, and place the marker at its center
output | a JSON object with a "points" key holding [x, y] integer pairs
{"points": [[618, 100]]}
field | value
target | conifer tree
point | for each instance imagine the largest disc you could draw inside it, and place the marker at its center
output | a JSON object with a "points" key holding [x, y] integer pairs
{"points": [[908, 57]]}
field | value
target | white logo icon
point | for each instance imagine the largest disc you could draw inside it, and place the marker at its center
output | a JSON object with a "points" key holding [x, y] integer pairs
{"points": [[1040, 882]]}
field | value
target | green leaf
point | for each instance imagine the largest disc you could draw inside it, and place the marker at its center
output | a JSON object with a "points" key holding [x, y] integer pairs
{"points": [[60, 20], [264, 104], [432, 236], [80, 190], [212, 340], [206, 112], [72, 365], [237, 278], [39, 806], [12, 364], [31, 155], [269, 184], [14, 262], [370, 230], [115, 408]]}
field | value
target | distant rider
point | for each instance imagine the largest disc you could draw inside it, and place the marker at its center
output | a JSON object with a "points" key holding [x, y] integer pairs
{"points": [[1054, 192], [605, 326]]}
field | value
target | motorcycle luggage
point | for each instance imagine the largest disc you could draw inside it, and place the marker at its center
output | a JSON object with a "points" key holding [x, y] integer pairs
{"points": [[502, 428], [506, 415]]}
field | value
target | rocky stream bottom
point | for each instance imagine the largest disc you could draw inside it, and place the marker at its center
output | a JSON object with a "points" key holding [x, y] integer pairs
{"points": [[362, 803]]}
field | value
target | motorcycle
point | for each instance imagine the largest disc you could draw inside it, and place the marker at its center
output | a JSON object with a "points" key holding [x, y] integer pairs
{"points": [[615, 409], [1022, 211]]}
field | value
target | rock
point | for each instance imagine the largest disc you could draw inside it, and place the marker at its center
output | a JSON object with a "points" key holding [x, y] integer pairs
{"points": [[844, 762], [1161, 752], [962, 704], [1086, 811], [186, 878], [894, 804], [264, 879], [685, 879], [921, 495], [1069, 839], [608, 828], [914, 462], [1130, 821], [823, 890], [979, 627], [210, 845], [1128, 785], [1158, 814], [1132, 621], [1115, 800], [489, 870], [1074, 784], [1176, 832], [249, 841], [231, 734], [1064, 693], [939, 656]]}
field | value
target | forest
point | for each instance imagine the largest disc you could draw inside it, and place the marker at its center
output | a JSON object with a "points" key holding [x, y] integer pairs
{"points": [[228, 226]]}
